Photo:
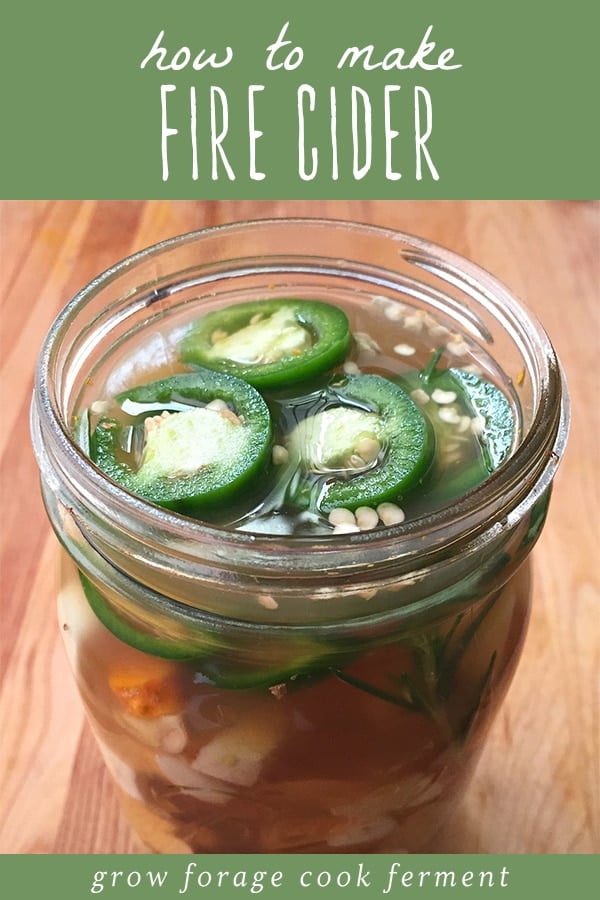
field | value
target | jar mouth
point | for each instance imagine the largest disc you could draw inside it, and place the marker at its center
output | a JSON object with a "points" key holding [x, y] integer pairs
{"points": [[431, 270]]}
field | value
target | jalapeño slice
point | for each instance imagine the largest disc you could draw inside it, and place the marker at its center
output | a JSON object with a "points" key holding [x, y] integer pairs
{"points": [[213, 659], [156, 642], [270, 343], [469, 403], [494, 412], [373, 445], [203, 437]]}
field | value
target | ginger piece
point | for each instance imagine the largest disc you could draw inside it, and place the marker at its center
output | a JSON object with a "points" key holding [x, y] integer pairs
{"points": [[147, 689]]}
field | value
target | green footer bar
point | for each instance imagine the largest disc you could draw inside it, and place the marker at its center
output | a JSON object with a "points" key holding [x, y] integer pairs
{"points": [[220, 877]]}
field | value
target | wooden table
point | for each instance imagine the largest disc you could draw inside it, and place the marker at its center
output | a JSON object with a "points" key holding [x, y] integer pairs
{"points": [[537, 788]]}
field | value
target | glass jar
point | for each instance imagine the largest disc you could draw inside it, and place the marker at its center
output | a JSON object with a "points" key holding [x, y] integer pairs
{"points": [[271, 693]]}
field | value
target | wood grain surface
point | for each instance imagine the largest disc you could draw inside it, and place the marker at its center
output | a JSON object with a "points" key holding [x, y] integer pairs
{"points": [[537, 787]]}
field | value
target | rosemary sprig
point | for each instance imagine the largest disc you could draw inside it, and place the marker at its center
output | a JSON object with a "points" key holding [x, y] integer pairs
{"points": [[450, 660], [375, 691], [428, 688], [469, 721]]}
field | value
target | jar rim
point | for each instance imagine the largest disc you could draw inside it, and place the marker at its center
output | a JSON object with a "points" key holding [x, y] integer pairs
{"points": [[484, 509]]}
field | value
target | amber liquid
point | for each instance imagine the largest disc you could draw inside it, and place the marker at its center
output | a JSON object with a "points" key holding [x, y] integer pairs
{"points": [[371, 758]]}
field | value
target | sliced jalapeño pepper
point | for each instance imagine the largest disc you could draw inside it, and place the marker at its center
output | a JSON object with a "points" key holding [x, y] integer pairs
{"points": [[156, 641], [492, 409], [270, 343], [212, 658], [194, 440], [458, 402], [279, 663], [370, 446]]}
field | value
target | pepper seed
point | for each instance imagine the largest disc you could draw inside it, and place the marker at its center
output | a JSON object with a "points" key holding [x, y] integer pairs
{"points": [[478, 425], [393, 311], [366, 518], [217, 404], [443, 397], [99, 407], [404, 350], [368, 449], [439, 332], [341, 516], [420, 397], [267, 601], [414, 322], [230, 416], [356, 461], [390, 513], [365, 342], [449, 414], [151, 422], [457, 346], [279, 455]]}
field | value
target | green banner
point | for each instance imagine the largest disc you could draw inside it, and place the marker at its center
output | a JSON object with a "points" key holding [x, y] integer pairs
{"points": [[428, 877], [320, 99]]}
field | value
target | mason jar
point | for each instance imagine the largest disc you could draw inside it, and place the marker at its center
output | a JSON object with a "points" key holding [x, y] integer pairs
{"points": [[263, 691]]}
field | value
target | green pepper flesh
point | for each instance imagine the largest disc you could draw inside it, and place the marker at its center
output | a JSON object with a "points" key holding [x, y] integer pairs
{"points": [[195, 457], [270, 343], [376, 410]]}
